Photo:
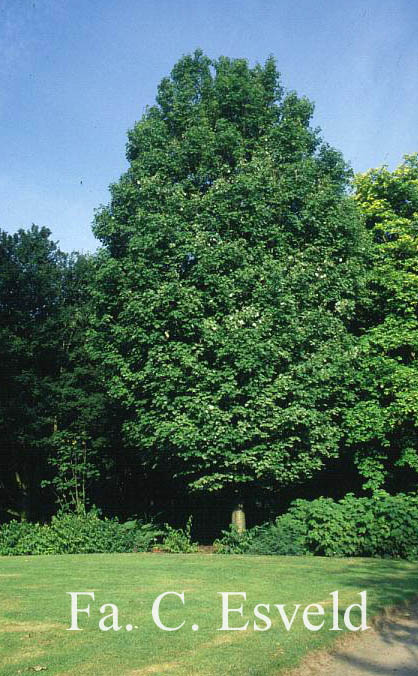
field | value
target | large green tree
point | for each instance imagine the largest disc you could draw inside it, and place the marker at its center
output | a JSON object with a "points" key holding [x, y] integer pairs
{"points": [[383, 422], [232, 259]]}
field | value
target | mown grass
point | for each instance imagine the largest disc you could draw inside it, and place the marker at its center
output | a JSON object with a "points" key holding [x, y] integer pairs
{"points": [[35, 610]]}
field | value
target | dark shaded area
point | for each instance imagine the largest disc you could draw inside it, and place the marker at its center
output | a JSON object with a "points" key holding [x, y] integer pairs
{"points": [[391, 649]]}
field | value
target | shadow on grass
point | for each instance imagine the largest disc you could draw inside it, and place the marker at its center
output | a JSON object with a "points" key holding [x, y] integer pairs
{"points": [[389, 584], [393, 650], [394, 647]]}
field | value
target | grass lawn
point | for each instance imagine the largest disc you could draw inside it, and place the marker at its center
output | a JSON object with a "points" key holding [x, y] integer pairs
{"points": [[35, 610]]}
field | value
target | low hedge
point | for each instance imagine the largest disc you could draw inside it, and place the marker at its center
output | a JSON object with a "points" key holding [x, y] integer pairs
{"points": [[379, 526], [70, 533]]}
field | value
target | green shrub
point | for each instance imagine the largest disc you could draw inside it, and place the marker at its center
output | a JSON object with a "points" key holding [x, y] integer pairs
{"points": [[233, 542], [379, 526], [70, 533], [287, 536], [383, 525], [178, 540], [20, 538]]}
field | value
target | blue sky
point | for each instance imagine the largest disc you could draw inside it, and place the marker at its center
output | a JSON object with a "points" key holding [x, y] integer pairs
{"points": [[76, 74]]}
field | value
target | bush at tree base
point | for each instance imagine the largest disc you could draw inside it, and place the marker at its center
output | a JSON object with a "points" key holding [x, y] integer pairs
{"points": [[70, 533], [379, 526]]}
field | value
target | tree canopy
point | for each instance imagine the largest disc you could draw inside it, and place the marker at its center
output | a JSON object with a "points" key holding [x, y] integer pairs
{"points": [[50, 401], [30, 296], [383, 423], [231, 264]]}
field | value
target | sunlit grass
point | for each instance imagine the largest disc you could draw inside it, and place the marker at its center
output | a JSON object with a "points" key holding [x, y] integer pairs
{"points": [[35, 610]]}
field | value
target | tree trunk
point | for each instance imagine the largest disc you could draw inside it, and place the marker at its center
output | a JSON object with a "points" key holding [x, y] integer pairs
{"points": [[24, 497], [238, 518]]}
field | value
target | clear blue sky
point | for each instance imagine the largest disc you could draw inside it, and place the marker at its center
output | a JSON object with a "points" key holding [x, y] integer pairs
{"points": [[76, 74]]}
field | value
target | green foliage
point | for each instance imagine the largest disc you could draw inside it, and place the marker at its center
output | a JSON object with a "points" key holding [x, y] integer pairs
{"points": [[242, 327], [382, 425], [234, 542], [179, 540], [380, 526], [231, 264], [70, 533], [287, 536], [76, 467], [49, 395], [31, 296], [80, 440]]}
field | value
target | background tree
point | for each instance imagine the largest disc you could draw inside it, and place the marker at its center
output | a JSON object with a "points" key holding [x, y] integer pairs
{"points": [[231, 263], [49, 394], [30, 290], [383, 423], [79, 443]]}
